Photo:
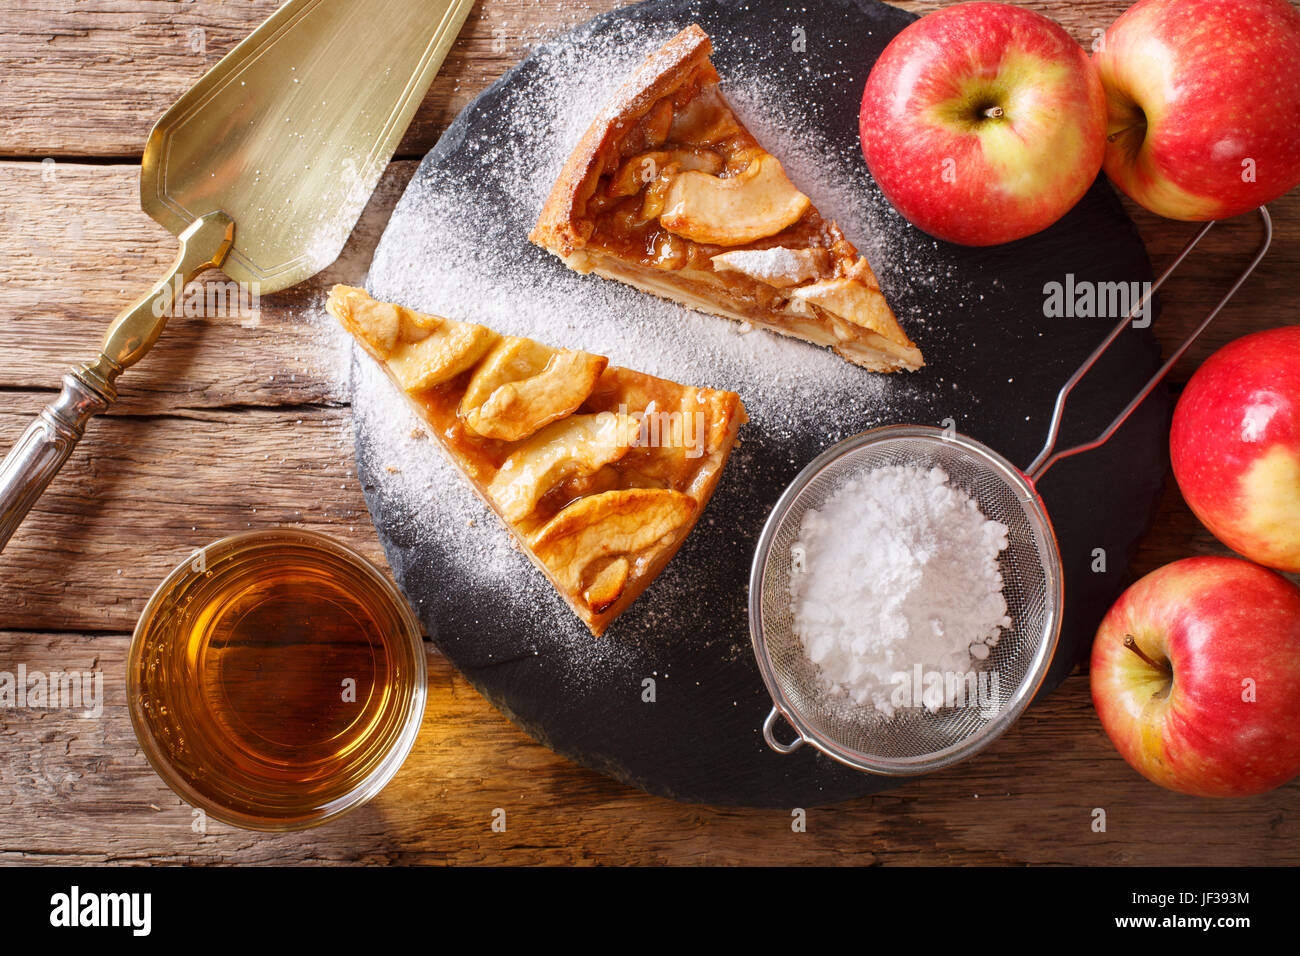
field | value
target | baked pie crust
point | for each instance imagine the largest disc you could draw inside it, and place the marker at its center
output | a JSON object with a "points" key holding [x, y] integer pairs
{"points": [[670, 193], [599, 472]]}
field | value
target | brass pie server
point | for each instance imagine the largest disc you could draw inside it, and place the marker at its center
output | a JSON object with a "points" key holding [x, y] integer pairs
{"points": [[261, 169]]}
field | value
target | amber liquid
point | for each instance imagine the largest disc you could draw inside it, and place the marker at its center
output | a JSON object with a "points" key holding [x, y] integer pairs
{"points": [[276, 682]]}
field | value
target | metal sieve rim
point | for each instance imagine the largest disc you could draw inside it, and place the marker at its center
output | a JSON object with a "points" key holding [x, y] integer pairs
{"points": [[1035, 673]]}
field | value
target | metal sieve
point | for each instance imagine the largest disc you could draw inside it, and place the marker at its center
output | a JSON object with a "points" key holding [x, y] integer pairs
{"points": [[915, 739]]}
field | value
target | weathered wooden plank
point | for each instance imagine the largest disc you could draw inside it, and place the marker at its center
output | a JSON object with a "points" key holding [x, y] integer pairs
{"points": [[75, 248], [142, 492], [79, 790], [89, 79], [54, 287], [227, 427]]}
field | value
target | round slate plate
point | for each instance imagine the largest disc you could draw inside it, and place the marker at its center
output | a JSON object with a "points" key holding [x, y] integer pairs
{"points": [[457, 245]]}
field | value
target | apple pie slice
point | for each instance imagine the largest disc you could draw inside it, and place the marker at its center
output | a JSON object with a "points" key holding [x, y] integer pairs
{"points": [[670, 193], [599, 472]]}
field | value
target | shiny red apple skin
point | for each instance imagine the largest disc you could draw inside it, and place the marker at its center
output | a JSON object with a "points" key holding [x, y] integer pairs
{"points": [[969, 179], [1219, 622], [1219, 84], [1235, 446]]}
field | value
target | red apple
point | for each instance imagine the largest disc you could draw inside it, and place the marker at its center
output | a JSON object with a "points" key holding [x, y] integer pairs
{"points": [[1235, 446], [1207, 700], [1204, 101], [983, 123]]}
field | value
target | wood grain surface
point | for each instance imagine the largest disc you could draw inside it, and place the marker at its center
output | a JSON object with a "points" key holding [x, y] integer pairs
{"points": [[243, 423]]}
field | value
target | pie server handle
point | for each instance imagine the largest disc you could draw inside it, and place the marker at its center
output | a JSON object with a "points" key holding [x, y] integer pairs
{"points": [[89, 389]]}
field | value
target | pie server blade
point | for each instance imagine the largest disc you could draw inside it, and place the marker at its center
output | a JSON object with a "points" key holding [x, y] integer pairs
{"points": [[262, 169]]}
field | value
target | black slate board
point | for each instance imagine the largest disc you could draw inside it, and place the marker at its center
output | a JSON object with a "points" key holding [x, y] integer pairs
{"points": [[699, 741]]}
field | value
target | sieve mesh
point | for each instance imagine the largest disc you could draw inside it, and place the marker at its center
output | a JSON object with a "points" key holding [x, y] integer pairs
{"points": [[915, 740]]}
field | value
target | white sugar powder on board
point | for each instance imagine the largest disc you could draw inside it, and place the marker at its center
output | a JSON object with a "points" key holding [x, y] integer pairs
{"points": [[476, 232], [458, 246], [897, 569]]}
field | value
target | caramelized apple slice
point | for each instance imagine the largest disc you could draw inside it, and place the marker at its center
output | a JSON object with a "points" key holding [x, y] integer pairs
{"points": [[522, 386], [631, 523], [379, 325], [647, 167], [579, 445], [755, 203], [448, 350], [706, 120], [778, 267], [608, 584], [852, 301], [420, 350], [510, 360]]}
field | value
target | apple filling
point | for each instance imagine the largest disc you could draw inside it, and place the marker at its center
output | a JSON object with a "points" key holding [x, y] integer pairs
{"points": [[599, 471], [681, 201]]}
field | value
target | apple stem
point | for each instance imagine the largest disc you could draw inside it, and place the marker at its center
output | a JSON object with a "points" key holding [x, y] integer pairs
{"points": [[1132, 645], [994, 112], [1120, 132]]}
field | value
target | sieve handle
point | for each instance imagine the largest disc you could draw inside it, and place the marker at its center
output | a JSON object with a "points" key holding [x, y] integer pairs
{"points": [[1049, 456], [769, 727]]}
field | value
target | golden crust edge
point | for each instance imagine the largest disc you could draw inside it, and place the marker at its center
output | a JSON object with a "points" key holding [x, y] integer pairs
{"points": [[557, 228], [597, 623], [701, 492], [895, 357], [658, 75]]}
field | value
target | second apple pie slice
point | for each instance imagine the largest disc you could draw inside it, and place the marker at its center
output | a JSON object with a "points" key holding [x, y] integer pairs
{"points": [[669, 192], [599, 472]]}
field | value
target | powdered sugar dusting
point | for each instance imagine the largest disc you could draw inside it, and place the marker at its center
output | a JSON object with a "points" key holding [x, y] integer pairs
{"points": [[914, 583], [458, 242], [470, 217], [452, 526], [488, 271]]}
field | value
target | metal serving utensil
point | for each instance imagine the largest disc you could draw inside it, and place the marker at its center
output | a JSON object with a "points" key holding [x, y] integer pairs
{"points": [[261, 169]]}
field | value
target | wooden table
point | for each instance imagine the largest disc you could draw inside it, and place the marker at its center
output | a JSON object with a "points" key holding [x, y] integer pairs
{"points": [[230, 425]]}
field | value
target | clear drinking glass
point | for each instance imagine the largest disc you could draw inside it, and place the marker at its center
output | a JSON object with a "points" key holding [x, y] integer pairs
{"points": [[276, 680]]}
